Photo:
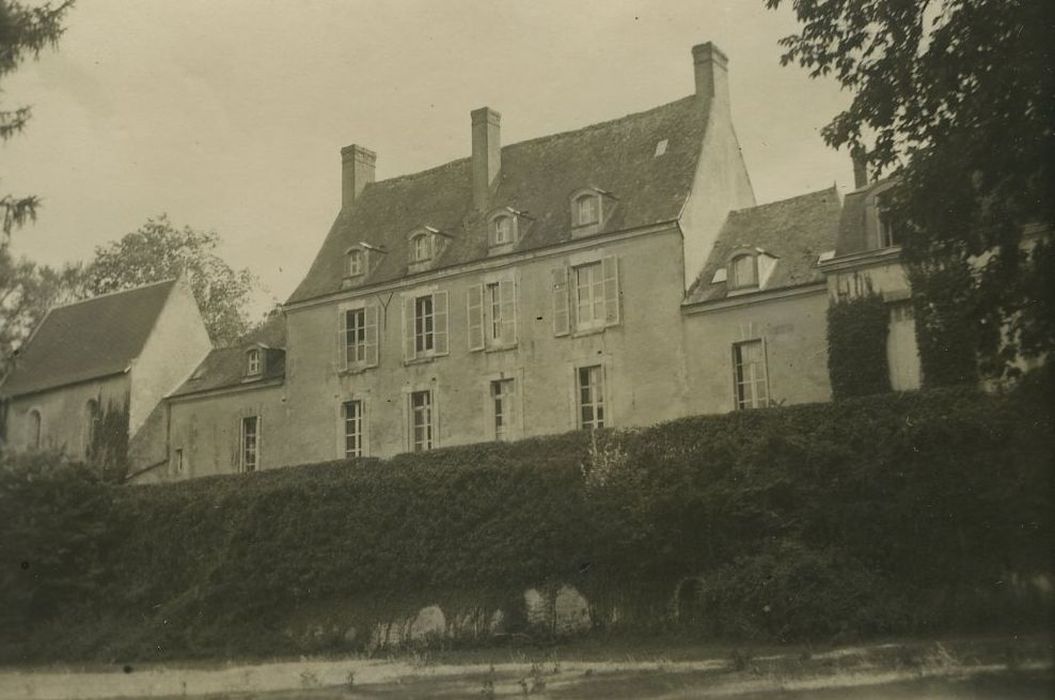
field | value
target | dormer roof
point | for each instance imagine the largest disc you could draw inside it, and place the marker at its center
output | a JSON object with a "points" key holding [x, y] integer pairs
{"points": [[226, 367]]}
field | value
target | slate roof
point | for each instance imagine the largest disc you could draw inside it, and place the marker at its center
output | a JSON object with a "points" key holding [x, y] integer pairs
{"points": [[88, 339], [536, 177], [225, 367], [795, 231]]}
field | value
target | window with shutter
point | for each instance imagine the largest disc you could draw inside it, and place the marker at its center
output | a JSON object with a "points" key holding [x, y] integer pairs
{"points": [[610, 273], [439, 305], [425, 326]]}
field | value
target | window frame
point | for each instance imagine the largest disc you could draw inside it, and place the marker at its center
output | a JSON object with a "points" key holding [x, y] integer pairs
{"points": [[426, 331], [355, 262], [428, 425], [598, 397], [254, 360], [740, 399], [359, 436], [35, 428], [503, 405], [594, 201], [245, 465], [422, 247], [178, 464], [510, 222], [733, 277]]}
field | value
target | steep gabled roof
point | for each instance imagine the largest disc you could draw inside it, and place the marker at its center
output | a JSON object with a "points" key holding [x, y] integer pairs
{"points": [[226, 367], [795, 231], [537, 177], [87, 339]]}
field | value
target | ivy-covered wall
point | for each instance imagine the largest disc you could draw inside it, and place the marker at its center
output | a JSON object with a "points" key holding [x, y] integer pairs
{"points": [[857, 346]]}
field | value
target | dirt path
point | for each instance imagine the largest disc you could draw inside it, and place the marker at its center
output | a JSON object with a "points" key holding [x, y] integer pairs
{"points": [[896, 671]]}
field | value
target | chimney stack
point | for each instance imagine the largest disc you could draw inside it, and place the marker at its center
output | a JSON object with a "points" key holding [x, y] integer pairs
{"points": [[357, 171], [857, 154], [712, 74], [487, 154]]}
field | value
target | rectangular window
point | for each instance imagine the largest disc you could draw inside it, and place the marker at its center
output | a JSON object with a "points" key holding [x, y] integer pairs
{"points": [[254, 363], [423, 325], [495, 304], [502, 397], [421, 425], [590, 392], [749, 366], [589, 296], [353, 429], [250, 443], [354, 336]]}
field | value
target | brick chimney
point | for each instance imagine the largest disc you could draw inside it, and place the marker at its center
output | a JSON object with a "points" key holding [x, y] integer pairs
{"points": [[487, 154], [357, 171], [860, 167], [712, 74]]}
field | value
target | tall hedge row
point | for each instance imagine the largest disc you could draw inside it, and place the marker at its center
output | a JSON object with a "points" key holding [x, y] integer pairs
{"points": [[896, 513]]}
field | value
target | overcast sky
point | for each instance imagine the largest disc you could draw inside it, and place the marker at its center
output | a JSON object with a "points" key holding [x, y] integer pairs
{"points": [[229, 114]]}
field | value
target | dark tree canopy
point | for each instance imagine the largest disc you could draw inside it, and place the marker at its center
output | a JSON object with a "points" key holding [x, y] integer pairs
{"points": [[24, 32], [956, 98], [159, 251]]}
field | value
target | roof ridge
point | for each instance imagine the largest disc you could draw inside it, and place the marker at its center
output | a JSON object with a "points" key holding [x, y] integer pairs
{"points": [[171, 280], [535, 139], [756, 207]]}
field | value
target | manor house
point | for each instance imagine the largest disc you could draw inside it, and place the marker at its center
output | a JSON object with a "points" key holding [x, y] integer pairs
{"points": [[615, 276]]}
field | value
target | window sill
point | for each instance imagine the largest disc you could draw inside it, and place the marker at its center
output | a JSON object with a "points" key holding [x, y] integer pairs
{"points": [[355, 369], [596, 330], [422, 360], [500, 348]]}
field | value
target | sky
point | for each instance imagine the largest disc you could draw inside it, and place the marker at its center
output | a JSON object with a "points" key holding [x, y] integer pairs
{"points": [[229, 115]]}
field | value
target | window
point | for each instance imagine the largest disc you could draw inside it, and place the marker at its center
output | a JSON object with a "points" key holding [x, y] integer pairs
{"points": [[504, 413], [353, 429], [177, 461], [425, 325], [744, 272], [355, 263], [491, 314], [253, 362], [590, 292], [749, 367], [421, 425], [502, 230], [421, 248], [587, 210], [250, 443], [357, 338], [35, 429], [590, 382], [891, 226]]}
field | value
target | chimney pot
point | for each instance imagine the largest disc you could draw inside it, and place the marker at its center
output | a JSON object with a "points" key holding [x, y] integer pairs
{"points": [[487, 153], [357, 171], [712, 72]]}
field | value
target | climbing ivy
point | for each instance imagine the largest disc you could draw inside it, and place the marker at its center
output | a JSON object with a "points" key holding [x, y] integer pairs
{"points": [[949, 330], [857, 359], [108, 448]]}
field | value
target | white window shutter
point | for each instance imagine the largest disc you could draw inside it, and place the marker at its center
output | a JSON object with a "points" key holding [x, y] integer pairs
{"points": [[408, 327], [439, 310], [507, 302], [560, 301], [342, 341], [610, 275], [475, 316], [370, 335]]}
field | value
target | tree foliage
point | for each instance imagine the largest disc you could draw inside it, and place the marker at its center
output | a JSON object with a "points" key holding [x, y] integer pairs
{"points": [[24, 33], [956, 98], [158, 250], [27, 291]]}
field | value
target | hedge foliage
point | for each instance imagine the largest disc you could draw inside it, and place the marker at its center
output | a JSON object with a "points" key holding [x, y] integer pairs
{"points": [[804, 522], [857, 336]]}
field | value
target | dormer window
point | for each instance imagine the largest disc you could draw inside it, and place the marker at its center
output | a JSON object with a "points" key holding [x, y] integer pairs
{"points": [[743, 271], [356, 262], [891, 226], [502, 230], [587, 209], [253, 362], [421, 248]]}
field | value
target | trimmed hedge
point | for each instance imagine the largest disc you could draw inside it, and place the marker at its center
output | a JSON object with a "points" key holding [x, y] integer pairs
{"points": [[843, 519]]}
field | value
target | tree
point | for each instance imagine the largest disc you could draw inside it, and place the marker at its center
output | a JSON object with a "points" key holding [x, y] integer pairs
{"points": [[27, 291], [159, 251], [24, 32], [955, 98]]}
